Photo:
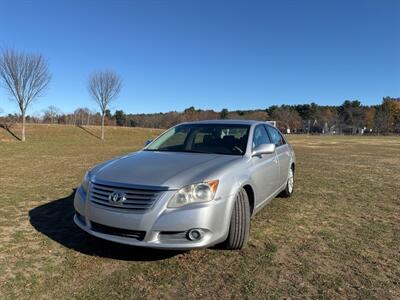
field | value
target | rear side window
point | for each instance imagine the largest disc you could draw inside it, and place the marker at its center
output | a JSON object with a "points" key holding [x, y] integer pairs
{"points": [[276, 136], [260, 136]]}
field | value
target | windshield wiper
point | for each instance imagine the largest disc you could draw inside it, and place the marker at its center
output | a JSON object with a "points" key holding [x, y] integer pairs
{"points": [[164, 150], [191, 151], [185, 151]]}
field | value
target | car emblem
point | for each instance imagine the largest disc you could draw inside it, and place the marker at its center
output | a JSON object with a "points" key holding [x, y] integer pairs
{"points": [[117, 198]]}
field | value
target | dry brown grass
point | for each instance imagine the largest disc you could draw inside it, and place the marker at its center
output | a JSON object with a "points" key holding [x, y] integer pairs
{"points": [[338, 237]]}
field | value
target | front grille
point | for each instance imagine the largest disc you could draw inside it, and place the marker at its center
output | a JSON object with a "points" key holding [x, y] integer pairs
{"points": [[136, 199], [136, 234]]}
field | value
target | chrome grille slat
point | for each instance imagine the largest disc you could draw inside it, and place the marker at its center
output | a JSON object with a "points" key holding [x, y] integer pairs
{"points": [[128, 197], [144, 196], [125, 206], [125, 203], [140, 195], [127, 191], [100, 192], [136, 199]]}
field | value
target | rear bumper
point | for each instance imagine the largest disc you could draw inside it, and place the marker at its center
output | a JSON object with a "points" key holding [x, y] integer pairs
{"points": [[162, 227]]}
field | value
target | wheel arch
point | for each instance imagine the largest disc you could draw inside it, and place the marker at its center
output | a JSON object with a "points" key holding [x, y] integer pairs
{"points": [[250, 194]]}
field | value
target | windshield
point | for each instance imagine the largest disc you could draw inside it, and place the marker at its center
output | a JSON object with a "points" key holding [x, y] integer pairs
{"points": [[203, 138]]}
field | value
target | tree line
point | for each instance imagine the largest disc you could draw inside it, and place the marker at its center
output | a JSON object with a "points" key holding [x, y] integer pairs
{"points": [[349, 118], [26, 77]]}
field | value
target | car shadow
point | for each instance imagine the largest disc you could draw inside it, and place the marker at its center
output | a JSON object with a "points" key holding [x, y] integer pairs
{"points": [[55, 220]]}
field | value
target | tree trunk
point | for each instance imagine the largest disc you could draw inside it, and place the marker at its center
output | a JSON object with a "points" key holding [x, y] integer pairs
{"points": [[23, 127], [102, 126]]}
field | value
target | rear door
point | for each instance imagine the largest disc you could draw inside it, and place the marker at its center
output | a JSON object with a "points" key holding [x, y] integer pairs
{"points": [[282, 152], [265, 168]]}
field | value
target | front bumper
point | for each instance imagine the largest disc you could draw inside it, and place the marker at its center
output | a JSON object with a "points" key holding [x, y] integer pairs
{"points": [[162, 227]]}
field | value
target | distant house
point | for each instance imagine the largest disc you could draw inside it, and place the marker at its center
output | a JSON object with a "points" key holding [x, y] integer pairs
{"points": [[350, 129]]}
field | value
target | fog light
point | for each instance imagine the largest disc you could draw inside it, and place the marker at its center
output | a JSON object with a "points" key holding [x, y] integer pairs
{"points": [[194, 234]]}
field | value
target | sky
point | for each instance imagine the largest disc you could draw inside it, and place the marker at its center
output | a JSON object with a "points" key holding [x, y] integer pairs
{"points": [[209, 54]]}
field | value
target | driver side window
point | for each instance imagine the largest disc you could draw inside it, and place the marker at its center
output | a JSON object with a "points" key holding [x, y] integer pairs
{"points": [[276, 137], [260, 136]]}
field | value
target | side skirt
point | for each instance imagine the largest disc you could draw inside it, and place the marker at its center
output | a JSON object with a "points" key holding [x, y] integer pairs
{"points": [[269, 199]]}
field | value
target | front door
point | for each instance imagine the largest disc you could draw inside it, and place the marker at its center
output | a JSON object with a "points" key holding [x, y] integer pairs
{"points": [[265, 168], [282, 152]]}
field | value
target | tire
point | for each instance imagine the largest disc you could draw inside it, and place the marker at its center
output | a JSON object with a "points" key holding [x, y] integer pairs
{"points": [[239, 227], [288, 191]]}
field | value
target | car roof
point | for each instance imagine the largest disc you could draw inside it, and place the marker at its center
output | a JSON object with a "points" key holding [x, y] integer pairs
{"points": [[228, 121]]}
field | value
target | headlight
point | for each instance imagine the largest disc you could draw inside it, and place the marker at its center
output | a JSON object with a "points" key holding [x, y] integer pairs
{"points": [[85, 182], [195, 193]]}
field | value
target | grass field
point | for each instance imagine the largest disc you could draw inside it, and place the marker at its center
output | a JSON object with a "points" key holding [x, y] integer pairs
{"points": [[338, 237]]}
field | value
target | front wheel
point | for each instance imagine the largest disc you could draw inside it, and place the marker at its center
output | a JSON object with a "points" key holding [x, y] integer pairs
{"points": [[288, 191], [239, 227]]}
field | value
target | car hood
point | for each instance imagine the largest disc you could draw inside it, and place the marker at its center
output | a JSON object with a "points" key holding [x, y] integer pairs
{"points": [[166, 170]]}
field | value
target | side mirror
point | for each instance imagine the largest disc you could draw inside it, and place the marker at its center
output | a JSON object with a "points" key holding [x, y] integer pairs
{"points": [[147, 142], [263, 149]]}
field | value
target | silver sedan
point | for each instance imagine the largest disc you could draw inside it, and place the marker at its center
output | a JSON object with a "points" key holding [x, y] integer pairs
{"points": [[197, 185]]}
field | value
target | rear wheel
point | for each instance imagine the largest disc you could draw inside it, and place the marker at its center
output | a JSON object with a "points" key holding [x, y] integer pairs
{"points": [[239, 228], [288, 191]]}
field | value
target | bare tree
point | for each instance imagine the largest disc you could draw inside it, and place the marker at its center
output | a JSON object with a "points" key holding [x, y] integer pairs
{"points": [[51, 114], [82, 116], [104, 87], [25, 76], [288, 116]]}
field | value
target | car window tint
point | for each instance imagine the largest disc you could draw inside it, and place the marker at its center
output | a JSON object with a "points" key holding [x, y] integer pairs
{"points": [[228, 139], [276, 137], [175, 140], [260, 136], [200, 137]]}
